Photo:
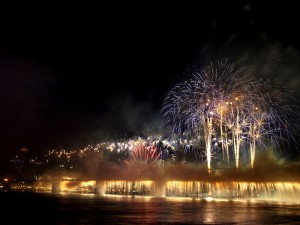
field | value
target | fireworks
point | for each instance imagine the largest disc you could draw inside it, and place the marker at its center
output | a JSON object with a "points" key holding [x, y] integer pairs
{"points": [[218, 114], [222, 103]]}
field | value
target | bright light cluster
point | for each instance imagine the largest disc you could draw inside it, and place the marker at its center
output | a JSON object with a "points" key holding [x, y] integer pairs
{"points": [[228, 111]]}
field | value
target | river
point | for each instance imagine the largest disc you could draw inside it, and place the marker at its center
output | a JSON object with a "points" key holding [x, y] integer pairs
{"points": [[62, 209]]}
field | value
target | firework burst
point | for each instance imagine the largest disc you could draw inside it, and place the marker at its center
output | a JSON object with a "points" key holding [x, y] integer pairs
{"points": [[222, 103]]}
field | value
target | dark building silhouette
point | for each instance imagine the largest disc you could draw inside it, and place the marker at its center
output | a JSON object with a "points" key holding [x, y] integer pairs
{"points": [[25, 168]]}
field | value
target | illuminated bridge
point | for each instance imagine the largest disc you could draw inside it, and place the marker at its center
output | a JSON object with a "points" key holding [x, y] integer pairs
{"points": [[174, 188]]}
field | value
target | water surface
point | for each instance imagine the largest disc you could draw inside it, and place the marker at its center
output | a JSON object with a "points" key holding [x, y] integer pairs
{"points": [[46, 208]]}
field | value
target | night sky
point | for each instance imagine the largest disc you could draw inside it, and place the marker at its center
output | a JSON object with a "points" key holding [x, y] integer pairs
{"points": [[73, 75]]}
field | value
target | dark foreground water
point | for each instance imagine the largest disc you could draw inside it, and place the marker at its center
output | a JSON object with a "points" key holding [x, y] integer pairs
{"points": [[36, 208]]}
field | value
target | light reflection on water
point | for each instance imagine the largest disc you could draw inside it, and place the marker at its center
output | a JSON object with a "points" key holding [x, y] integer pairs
{"points": [[93, 209]]}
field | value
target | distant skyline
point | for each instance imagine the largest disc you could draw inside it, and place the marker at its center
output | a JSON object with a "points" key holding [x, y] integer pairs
{"points": [[77, 74]]}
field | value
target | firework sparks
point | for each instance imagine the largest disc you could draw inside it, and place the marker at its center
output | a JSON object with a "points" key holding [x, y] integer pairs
{"points": [[221, 102]]}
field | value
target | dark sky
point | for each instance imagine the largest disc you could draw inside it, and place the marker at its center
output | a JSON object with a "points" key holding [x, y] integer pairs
{"points": [[75, 74]]}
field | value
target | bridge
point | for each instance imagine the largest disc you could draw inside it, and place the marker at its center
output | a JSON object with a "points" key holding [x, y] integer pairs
{"points": [[166, 188]]}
